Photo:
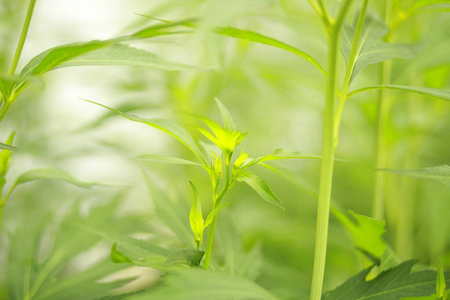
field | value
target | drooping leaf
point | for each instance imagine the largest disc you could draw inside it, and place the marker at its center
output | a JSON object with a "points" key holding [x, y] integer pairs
{"points": [[186, 258], [280, 154], [167, 126], [166, 159], [393, 284], [202, 284], [226, 116], [366, 232], [120, 54], [372, 49], [262, 39], [260, 186], [436, 93], [439, 173]]}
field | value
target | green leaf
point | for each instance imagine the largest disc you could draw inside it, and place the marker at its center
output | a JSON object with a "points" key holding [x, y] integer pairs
{"points": [[226, 116], [436, 93], [440, 281], [166, 159], [213, 213], [395, 283], [260, 186], [439, 173], [366, 232], [423, 3], [5, 156], [8, 147], [196, 217], [118, 257], [262, 39], [120, 54], [186, 258], [202, 284], [167, 126], [372, 49], [280, 154]]}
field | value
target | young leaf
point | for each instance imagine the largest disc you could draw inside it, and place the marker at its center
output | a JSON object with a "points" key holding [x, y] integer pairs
{"points": [[395, 283], [120, 54], [202, 284], [118, 257], [372, 49], [366, 232], [260, 186], [167, 126], [166, 159], [187, 258], [196, 217], [435, 93], [226, 116], [213, 213], [439, 173], [262, 39]]}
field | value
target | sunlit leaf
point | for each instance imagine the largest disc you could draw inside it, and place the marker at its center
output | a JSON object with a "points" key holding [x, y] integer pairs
{"points": [[201, 284], [436, 93], [260, 186], [280, 154], [439, 173], [395, 283], [226, 117], [196, 217], [366, 232]]}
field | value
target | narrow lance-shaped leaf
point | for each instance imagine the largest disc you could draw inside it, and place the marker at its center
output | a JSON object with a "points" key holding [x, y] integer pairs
{"points": [[393, 284], [167, 126], [226, 116], [166, 159], [196, 217], [439, 173], [260, 186], [213, 213], [280, 154], [436, 93], [120, 54], [8, 147]]}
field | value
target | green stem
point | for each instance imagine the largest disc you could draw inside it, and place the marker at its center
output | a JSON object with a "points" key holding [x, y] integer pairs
{"points": [[23, 36], [328, 147], [216, 201], [381, 155]]}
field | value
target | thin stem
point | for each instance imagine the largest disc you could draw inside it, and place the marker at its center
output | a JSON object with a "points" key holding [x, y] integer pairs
{"points": [[216, 201], [321, 11], [23, 36], [381, 155], [327, 157]]}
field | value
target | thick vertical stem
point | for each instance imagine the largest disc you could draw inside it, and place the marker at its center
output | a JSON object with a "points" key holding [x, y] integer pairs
{"points": [[23, 36]]}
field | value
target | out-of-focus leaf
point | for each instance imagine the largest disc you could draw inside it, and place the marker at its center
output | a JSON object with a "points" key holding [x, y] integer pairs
{"points": [[388, 260], [262, 39], [118, 257], [372, 49], [5, 158], [202, 284], [213, 213], [436, 93], [166, 159], [395, 283], [422, 3], [167, 126], [280, 154], [226, 116], [439, 173], [8, 147], [366, 232], [120, 54], [186, 258], [260, 186]]}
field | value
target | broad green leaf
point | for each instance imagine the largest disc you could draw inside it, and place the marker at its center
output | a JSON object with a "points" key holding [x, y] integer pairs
{"points": [[167, 126], [186, 258], [439, 173], [166, 159], [262, 39], [196, 217], [372, 49], [280, 154], [202, 284], [120, 54], [226, 116], [260, 186], [213, 213], [366, 232], [436, 93], [393, 284]]}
